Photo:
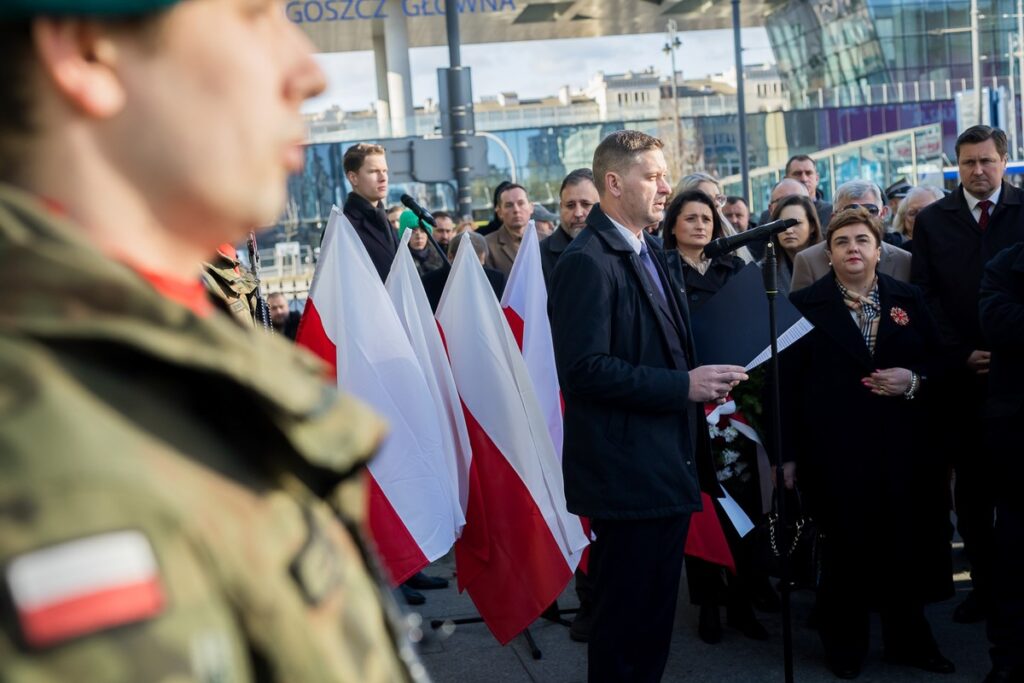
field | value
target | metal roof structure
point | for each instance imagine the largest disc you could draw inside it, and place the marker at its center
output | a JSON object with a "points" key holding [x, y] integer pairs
{"points": [[352, 25]]}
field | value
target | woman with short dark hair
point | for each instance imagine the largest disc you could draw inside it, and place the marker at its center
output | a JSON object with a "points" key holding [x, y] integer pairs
{"points": [[855, 404]]}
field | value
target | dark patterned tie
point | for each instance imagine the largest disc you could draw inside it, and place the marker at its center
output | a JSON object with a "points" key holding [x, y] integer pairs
{"points": [[984, 205], [652, 271]]}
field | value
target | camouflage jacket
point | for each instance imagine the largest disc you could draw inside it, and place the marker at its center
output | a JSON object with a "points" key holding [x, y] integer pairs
{"points": [[180, 499], [233, 289]]}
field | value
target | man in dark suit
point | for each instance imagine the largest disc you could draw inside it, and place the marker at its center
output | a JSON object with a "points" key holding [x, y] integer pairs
{"points": [[954, 239], [576, 198], [366, 169], [435, 280], [1002, 322], [624, 359], [803, 170]]}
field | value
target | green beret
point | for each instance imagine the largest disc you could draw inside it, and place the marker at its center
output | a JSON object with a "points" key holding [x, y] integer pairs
{"points": [[409, 220], [81, 8]]}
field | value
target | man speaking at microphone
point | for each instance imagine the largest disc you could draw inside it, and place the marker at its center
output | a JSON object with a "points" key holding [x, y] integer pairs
{"points": [[625, 364]]}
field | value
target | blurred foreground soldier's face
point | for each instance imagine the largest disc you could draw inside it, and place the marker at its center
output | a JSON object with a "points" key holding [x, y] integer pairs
{"points": [[185, 120]]}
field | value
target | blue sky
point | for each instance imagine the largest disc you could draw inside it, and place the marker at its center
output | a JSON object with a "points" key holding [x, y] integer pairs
{"points": [[542, 68]]}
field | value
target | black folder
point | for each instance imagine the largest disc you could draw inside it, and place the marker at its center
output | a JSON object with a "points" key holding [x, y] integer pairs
{"points": [[732, 327]]}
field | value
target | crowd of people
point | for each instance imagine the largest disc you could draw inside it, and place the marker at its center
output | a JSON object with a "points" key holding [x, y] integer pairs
{"points": [[169, 489], [892, 284]]}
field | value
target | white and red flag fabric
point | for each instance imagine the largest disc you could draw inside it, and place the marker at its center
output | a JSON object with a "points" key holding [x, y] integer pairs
{"points": [[407, 294], [350, 322], [520, 545], [525, 304], [78, 587]]}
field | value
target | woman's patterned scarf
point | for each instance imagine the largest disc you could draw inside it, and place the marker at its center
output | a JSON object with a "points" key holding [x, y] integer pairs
{"points": [[865, 311]]}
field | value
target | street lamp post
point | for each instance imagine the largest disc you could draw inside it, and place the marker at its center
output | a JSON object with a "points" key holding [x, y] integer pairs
{"points": [[975, 53], [1020, 64], [741, 102], [670, 49], [1011, 54], [976, 59], [1019, 55]]}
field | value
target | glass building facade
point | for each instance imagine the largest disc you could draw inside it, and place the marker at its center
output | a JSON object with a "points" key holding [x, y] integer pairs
{"points": [[543, 156], [820, 44]]}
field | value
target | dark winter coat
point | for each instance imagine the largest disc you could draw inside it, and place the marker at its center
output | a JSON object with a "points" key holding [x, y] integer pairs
{"points": [[551, 247], [950, 253], [701, 287], [866, 463], [377, 234], [624, 372]]}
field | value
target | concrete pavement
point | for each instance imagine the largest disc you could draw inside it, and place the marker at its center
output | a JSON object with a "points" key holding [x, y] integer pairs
{"points": [[469, 653]]}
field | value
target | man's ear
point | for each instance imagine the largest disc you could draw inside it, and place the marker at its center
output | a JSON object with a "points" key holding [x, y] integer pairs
{"points": [[613, 183], [79, 58]]}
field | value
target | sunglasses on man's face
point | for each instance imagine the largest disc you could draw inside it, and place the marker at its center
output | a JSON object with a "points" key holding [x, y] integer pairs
{"points": [[873, 209]]}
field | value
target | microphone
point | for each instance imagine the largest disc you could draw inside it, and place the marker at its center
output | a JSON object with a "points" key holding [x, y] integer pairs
{"points": [[723, 245], [420, 212]]}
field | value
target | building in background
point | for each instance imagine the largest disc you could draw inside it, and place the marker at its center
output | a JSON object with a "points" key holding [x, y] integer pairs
{"points": [[870, 88]]}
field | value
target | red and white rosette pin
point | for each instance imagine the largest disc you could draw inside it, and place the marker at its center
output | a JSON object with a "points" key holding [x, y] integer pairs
{"points": [[899, 316]]}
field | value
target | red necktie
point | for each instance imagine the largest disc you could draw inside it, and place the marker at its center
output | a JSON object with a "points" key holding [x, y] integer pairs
{"points": [[984, 205]]}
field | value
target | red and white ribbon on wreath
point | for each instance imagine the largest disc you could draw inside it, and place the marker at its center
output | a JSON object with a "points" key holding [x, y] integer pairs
{"points": [[737, 420]]}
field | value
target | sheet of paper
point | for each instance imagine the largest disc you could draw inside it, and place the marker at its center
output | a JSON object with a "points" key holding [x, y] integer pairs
{"points": [[736, 515], [790, 336]]}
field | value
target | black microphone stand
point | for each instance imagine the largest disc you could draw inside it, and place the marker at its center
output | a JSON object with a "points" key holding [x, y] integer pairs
{"points": [[771, 288]]}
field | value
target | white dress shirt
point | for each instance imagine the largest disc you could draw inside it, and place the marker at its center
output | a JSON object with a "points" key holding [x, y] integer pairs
{"points": [[972, 203]]}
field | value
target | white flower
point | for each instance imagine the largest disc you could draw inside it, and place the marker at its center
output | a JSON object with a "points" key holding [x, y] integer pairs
{"points": [[714, 431], [730, 456], [724, 473], [730, 434]]}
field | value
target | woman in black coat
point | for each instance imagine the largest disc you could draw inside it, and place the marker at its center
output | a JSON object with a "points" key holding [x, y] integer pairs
{"points": [[691, 222], [855, 410], [688, 229]]}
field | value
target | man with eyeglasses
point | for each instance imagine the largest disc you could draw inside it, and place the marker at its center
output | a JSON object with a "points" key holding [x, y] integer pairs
{"points": [[954, 239], [812, 263]]}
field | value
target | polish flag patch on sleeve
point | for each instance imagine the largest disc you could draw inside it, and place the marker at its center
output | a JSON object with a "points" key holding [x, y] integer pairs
{"points": [[83, 586]]}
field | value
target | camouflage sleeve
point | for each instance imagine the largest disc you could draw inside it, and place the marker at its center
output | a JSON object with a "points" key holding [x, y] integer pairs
{"points": [[97, 586]]}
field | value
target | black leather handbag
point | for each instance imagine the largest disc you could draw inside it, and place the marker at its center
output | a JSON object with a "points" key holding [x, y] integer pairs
{"points": [[798, 540]]}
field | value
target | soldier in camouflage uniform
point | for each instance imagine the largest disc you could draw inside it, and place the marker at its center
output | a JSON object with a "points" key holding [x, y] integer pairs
{"points": [[233, 289], [180, 499]]}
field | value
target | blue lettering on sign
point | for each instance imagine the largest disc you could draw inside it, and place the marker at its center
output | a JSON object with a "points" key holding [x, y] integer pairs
{"points": [[316, 11]]}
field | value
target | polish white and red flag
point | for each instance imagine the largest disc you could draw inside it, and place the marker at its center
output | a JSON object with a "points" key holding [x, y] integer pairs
{"points": [[407, 294], [350, 322], [520, 545], [525, 304], [85, 585]]}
